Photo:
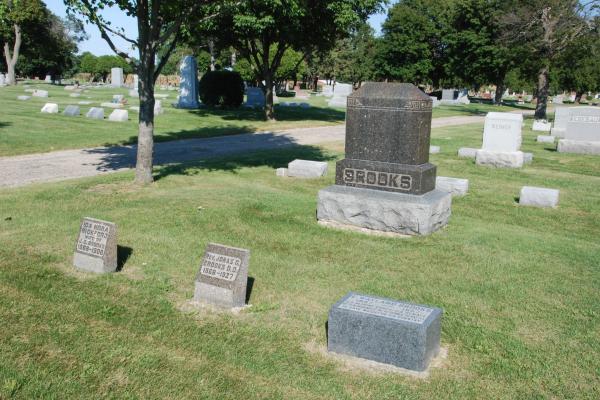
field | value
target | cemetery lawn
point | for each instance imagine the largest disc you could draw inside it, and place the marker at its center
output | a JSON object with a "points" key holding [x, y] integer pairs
{"points": [[520, 287], [24, 130]]}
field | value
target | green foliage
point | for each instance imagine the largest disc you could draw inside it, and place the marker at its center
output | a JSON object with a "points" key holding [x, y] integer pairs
{"points": [[353, 57], [222, 88], [244, 68], [578, 68], [100, 66]]}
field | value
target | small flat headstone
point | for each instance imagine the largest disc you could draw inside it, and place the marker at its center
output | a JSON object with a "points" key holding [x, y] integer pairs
{"points": [[119, 116], [160, 95], [111, 105], [95, 113], [307, 169], [29, 90], [117, 98], [545, 139], [23, 98], [75, 95], [387, 331], [223, 276], [71, 111], [467, 152], [538, 197], [50, 108], [40, 93], [281, 172], [70, 87], [304, 105], [542, 126], [84, 102], [96, 247], [434, 149], [455, 186]]}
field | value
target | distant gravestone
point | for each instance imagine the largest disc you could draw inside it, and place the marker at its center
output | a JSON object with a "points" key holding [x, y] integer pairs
{"points": [[40, 93], [95, 113], [119, 116], [23, 98], [48, 79], [223, 276], [448, 94], [341, 91], [2, 80], [561, 117], [307, 169], [255, 97], [327, 90], [136, 82], [402, 334], [538, 197], [111, 105], [501, 141], [188, 85], [454, 186], [386, 182], [96, 248], [541, 126], [116, 77], [434, 149], [558, 99], [434, 101], [71, 111], [158, 110], [50, 108], [545, 139], [75, 95], [582, 134], [467, 152]]}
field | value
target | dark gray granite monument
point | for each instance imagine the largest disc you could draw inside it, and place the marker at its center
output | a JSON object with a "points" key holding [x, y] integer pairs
{"points": [[223, 276], [386, 182], [96, 248], [392, 332]]}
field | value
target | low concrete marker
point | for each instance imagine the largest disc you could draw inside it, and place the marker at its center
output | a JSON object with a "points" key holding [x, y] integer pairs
{"points": [[119, 116], [71, 111], [454, 186], [434, 149], [307, 169], [95, 113], [538, 197], [545, 139], [467, 152], [281, 172], [50, 108]]}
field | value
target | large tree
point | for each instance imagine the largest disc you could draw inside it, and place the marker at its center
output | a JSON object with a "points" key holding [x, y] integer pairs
{"points": [[263, 30], [353, 56], [160, 24]]}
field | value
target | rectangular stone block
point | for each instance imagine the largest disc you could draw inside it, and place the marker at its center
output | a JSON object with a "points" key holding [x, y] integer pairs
{"points": [[116, 77], [389, 177], [454, 186], [23, 98], [307, 169], [111, 105], [50, 108], [541, 126], [96, 247], [71, 111], [384, 211], [538, 197], [39, 93], [545, 139], [502, 132], [583, 124], [467, 152], [434, 149], [223, 276], [387, 331], [95, 113], [255, 97], [119, 116], [578, 147], [500, 159], [281, 172]]}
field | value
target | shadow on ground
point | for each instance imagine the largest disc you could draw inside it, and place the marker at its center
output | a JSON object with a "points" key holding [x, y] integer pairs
{"points": [[284, 114]]}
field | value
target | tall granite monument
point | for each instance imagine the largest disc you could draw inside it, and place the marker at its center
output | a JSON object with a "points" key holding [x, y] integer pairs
{"points": [[188, 86], [386, 182]]}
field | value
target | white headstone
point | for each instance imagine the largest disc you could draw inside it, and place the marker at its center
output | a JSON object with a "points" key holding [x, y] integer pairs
{"points": [[545, 139], [188, 85], [84, 102], [455, 186], [71, 111], [158, 110], [327, 90], [502, 132], [111, 105], [467, 152], [48, 79], [134, 93], [561, 117], [541, 126], [50, 108], [557, 99], [307, 169], [448, 94], [583, 124], [136, 82], [434, 101], [119, 116], [434, 149], [95, 113], [116, 77], [255, 97], [40, 93], [281, 172], [538, 197], [2, 80]]}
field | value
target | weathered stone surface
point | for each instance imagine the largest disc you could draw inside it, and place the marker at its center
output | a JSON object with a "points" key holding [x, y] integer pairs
{"points": [[454, 186], [50, 108], [583, 124], [119, 116], [75, 95], [384, 211], [561, 117], [71, 111], [497, 159], [223, 276], [307, 169], [542, 126], [281, 172], [578, 146], [112, 105], [96, 247], [95, 113], [188, 85], [502, 132], [538, 197], [392, 332], [434, 149], [545, 139], [39, 93], [255, 97], [448, 94], [116, 77], [527, 158], [467, 152]]}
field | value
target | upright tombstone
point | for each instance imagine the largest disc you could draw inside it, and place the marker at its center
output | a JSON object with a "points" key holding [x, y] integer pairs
{"points": [[223, 276], [386, 182], [582, 134], [387, 331], [116, 77], [448, 94], [136, 82], [561, 117], [188, 86], [96, 248], [95, 113], [48, 79], [341, 91], [2, 80], [501, 141], [255, 97], [71, 111]]}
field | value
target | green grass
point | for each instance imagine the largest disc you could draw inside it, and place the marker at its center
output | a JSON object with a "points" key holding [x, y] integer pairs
{"points": [[24, 130], [519, 286]]}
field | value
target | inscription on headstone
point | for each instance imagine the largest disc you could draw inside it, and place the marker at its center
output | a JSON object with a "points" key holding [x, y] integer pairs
{"points": [[96, 247], [223, 276], [386, 308]]}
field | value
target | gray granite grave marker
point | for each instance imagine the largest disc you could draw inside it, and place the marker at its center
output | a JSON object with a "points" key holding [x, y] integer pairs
{"points": [[392, 332], [188, 86], [96, 247], [223, 276]]}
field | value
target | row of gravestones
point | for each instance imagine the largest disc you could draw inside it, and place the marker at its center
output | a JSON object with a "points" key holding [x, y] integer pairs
{"points": [[93, 112]]}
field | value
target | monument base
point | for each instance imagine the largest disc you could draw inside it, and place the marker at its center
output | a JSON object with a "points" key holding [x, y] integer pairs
{"points": [[513, 159], [579, 147], [93, 264], [218, 296], [558, 132], [384, 211]]}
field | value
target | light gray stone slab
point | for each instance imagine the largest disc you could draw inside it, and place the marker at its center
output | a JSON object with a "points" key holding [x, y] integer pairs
{"points": [[454, 186], [111, 105], [561, 117], [119, 116], [527, 158], [84, 102], [538, 197], [545, 139], [502, 132], [39, 93], [583, 124], [50, 108], [95, 113], [434, 149], [403, 334], [384, 211], [23, 98], [541, 126], [578, 147], [71, 111], [158, 109], [96, 247], [281, 172], [223, 276], [307, 169], [116, 77], [75, 95], [467, 152], [512, 159]]}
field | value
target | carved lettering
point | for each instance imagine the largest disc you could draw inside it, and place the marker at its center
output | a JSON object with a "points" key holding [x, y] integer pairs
{"points": [[382, 179]]}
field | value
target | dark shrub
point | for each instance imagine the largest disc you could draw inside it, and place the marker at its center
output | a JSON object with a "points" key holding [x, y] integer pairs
{"points": [[222, 88]]}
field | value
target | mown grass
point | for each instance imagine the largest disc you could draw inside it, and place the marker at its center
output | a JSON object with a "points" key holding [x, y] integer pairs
{"points": [[24, 130], [519, 286]]}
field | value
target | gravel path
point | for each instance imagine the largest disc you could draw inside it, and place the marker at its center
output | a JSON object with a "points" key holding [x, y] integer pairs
{"points": [[69, 164]]}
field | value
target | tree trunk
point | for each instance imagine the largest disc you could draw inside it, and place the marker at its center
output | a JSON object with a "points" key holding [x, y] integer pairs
{"points": [[268, 91], [542, 92], [578, 96], [499, 93], [11, 60], [211, 48], [145, 146], [233, 57]]}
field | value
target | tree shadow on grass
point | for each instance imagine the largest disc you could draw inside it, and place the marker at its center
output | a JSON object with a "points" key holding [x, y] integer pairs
{"points": [[285, 114], [123, 254], [5, 124]]}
